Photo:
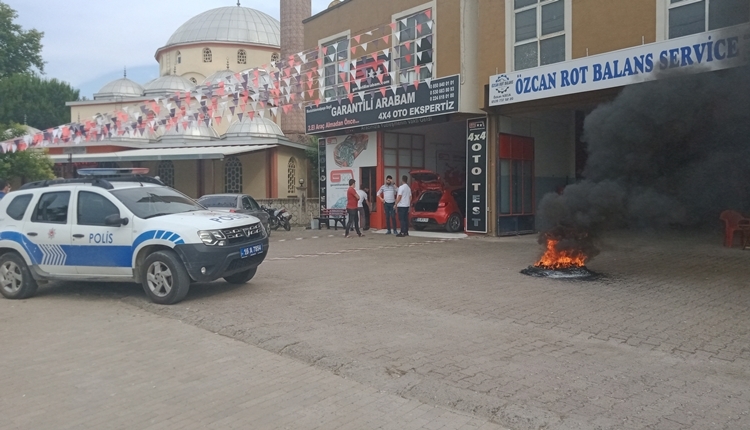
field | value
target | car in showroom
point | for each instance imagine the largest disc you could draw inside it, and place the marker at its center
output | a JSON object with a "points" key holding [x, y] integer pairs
{"points": [[236, 203], [123, 226], [436, 205]]}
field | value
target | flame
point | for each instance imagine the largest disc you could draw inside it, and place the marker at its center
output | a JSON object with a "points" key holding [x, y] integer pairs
{"points": [[560, 259]]}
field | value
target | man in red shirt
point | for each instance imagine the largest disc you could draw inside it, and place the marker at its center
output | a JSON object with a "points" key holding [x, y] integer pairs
{"points": [[352, 208]]}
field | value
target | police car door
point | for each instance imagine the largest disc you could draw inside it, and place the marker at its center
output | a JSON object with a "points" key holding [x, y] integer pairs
{"points": [[100, 250], [49, 230]]}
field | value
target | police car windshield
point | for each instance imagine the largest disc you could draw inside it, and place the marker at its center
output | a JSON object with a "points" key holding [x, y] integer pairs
{"points": [[218, 201], [148, 202]]}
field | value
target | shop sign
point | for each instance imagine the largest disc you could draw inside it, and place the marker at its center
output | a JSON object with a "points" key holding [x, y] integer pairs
{"points": [[476, 175], [322, 173], [345, 156], [438, 97], [703, 52]]}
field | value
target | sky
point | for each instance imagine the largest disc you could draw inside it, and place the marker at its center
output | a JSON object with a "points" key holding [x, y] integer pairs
{"points": [[87, 43]]}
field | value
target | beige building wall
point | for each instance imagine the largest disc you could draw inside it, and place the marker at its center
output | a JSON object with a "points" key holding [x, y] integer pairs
{"points": [[283, 156], [191, 59], [254, 174], [604, 26]]}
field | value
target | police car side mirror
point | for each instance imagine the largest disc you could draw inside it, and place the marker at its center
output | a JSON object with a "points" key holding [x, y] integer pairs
{"points": [[115, 220]]}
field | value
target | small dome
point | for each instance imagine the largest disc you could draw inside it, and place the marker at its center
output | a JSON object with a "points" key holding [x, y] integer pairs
{"points": [[194, 132], [220, 76], [119, 88], [168, 84], [255, 128], [333, 3], [232, 24]]}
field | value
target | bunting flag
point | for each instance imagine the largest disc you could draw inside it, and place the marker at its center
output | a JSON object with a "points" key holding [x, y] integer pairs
{"points": [[291, 84]]}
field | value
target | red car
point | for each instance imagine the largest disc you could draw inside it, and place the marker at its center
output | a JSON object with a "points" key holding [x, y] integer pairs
{"points": [[435, 204]]}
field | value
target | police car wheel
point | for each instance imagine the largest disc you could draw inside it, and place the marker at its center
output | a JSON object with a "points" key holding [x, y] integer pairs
{"points": [[165, 279], [241, 277], [16, 281]]}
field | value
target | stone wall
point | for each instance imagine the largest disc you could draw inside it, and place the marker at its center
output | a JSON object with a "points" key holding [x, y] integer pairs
{"points": [[300, 217]]}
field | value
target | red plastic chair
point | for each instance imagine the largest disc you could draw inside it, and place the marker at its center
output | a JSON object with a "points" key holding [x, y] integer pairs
{"points": [[733, 221]]}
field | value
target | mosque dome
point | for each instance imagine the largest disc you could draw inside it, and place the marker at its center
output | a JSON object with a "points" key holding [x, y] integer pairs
{"points": [[168, 84], [254, 128], [220, 76], [191, 133], [333, 3], [231, 24], [119, 88]]}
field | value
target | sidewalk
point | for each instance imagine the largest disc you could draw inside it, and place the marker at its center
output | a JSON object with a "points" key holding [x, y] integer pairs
{"points": [[78, 362]]}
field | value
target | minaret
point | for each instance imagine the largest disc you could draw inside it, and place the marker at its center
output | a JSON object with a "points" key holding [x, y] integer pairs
{"points": [[292, 42]]}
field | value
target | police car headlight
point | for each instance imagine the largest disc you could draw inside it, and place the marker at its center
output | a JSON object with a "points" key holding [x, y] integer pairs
{"points": [[212, 237]]}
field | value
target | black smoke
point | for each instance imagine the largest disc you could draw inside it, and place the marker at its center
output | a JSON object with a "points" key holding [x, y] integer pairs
{"points": [[672, 152]]}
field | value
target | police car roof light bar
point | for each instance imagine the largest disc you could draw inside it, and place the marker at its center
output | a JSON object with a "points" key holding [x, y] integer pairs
{"points": [[114, 171]]}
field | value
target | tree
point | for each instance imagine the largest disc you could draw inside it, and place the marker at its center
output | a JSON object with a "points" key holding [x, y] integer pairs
{"points": [[40, 102], [29, 165], [9, 131], [20, 50]]}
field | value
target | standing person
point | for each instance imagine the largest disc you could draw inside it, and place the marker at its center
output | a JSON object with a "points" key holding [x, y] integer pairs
{"points": [[361, 208], [352, 200], [6, 188], [366, 206], [403, 202], [387, 195]]}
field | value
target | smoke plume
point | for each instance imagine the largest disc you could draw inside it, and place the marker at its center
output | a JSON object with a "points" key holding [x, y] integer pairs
{"points": [[670, 152]]}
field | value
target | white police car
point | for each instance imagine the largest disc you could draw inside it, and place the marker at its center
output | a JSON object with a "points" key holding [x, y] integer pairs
{"points": [[122, 228]]}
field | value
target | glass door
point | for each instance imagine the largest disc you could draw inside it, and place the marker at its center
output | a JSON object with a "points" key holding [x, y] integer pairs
{"points": [[515, 185]]}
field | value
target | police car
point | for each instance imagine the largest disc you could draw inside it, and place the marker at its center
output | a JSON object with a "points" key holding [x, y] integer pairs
{"points": [[120, 225]]}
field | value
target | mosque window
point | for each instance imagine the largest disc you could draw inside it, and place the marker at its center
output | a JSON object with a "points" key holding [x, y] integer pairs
{"points": [[166, 172], [233, 175], [179, 58], [207, 56], [275, 57], [291, 175], [241, 57]]}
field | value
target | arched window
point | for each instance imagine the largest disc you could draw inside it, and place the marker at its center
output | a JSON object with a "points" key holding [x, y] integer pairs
{"points": [[291, 175], [179, 58], [275, 57], [241, 57], [165, 171], [207, 57], [232, 175]]}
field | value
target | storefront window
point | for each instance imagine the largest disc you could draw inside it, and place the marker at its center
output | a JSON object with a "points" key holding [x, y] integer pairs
{"points": [[688, 17], [414, 46], [335, 67], [539, 33], [402, 153]]}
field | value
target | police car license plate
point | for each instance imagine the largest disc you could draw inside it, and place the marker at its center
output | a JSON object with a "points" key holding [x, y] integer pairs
{"points": [[421, 219], [251, 250]]}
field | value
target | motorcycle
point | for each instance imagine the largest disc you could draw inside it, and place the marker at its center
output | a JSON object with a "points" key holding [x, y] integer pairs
{"points": [[278, 218]]}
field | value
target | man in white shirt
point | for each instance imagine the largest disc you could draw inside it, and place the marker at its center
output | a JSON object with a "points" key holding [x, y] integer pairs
{"points": [[387, 194], [403, 202], [361, 208]]}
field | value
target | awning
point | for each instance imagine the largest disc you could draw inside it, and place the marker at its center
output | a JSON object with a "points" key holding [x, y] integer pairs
{"points": [[155, 154]]}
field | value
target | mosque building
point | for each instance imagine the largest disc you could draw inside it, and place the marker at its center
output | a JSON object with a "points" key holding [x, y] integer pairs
{"points": [[250, 155]]}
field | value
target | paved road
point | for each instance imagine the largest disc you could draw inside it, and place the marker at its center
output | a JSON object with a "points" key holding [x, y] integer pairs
{"points": [[80, 362], [660, 342]]}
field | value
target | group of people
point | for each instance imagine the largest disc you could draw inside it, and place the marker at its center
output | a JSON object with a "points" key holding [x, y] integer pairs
{"points": [[395, 200]]}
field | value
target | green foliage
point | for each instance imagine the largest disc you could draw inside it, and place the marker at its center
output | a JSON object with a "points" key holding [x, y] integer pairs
{"points": [[312, 156], [9, 131], [40, 102], [29, 165], [20, 50]]}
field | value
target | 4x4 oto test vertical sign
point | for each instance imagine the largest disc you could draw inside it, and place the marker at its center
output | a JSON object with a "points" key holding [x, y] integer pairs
{"points": [[476, 175]]}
